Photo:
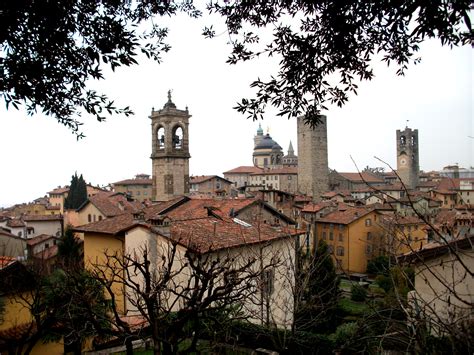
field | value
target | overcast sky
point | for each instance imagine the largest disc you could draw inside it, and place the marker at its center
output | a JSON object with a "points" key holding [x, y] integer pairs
{"points": [[436, 97]]}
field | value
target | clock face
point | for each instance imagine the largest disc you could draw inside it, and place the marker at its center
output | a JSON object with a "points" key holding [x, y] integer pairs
{"points": [[403, 162]]}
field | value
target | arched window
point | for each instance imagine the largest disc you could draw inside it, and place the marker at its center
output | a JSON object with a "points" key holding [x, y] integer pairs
{"points": [[413, 140], [160, 136], [403, 140], [178, 138]]}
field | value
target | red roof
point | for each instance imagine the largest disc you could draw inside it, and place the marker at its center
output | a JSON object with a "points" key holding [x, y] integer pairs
{"points": [[244, 170], [346, 215], [204, 178], [134, 182], [35, 218], [5, 261], [59, 191], [199, 224], [112, 203], [39, 239], [361, 177], [15, 223]]}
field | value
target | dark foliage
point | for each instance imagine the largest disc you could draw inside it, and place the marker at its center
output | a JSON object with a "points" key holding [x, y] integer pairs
{"points": [[255, 336], [358, 293], [379, 265], [319, 283], [77, 194], [326, 47], [50, 49], [70, 251]]}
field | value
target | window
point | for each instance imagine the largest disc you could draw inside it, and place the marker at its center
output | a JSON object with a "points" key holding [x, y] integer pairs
{"points": [[330, 249], [368, 222], [46, 245], [323, 235], [138, 193], [161, 138], [94, 218], [100, 218], [331, 236], [267, 282], [341, 238], [341, 227], [20, 234], [340, 251], [368, 249], [369, 236], [145, 193], [89, 218]]}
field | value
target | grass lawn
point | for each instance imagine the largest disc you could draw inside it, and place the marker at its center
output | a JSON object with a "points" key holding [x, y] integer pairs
{"points": [[352, 307]]}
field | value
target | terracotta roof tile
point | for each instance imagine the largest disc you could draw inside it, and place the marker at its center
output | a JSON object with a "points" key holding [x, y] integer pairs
{"points": [[134, 182], [47, 253], [210, 234], [316, 207], [5, 261], [59, 191], [112, 203], [35, 218], [39, 239], [346, 214], [361, 177], [244, 170], [15, 223], [204, 178]]}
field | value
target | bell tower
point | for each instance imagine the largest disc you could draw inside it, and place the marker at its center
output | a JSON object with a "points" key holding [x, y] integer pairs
{"points": [[407, 157], [170, 151]]}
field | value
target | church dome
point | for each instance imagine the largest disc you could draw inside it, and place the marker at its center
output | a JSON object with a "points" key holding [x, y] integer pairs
{"points": [[267, 143]]}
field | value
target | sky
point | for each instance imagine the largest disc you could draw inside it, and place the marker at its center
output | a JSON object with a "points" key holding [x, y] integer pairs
{"points": [[435, 97]]}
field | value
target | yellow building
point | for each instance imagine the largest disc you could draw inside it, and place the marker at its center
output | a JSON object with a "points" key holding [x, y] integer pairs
{"points": [[353, 235], [139, 188], [17, 327], [403, 234]]}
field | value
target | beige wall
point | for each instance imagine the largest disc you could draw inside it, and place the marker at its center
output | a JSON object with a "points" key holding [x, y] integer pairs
{"points": [[13, 247], [89, 210], [280, 301], [44, 227], [433, 281]]}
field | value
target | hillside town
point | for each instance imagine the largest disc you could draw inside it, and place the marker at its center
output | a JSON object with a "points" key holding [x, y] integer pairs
{"points": [[246, 240]]}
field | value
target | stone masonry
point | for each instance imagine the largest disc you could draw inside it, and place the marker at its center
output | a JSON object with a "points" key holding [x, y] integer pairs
{"points": [[408, 165], [170, 152], [313, 168]]}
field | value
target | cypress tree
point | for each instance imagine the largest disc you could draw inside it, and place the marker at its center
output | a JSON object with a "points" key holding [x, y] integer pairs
{"points": [[77, 193]]}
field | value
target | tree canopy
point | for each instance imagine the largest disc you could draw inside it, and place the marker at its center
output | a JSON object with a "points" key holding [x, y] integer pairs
{"points": [[77, 194], [50, 49]]}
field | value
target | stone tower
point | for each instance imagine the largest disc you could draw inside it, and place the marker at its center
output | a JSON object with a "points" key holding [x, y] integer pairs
{"points": [[170, 151], [408, 165], [313, 171]]}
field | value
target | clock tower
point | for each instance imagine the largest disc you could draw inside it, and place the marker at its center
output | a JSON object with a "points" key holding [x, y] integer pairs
{"points": [[170, 151], [407, 157]]}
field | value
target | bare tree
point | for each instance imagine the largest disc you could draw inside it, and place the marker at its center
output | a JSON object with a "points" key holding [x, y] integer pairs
{"points": [[179, 290]]}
